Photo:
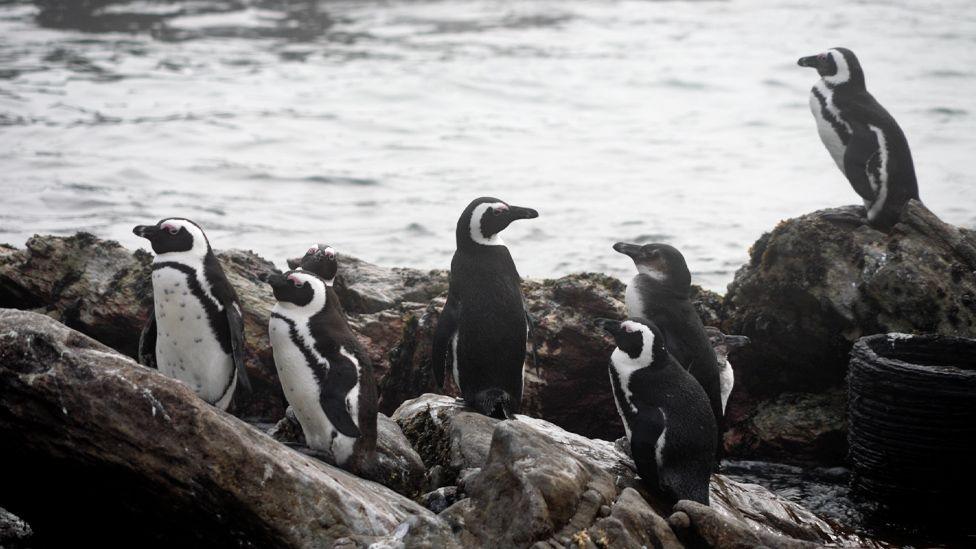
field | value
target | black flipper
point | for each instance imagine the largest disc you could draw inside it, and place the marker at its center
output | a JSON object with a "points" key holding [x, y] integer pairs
{"points": [[862, 147], [446, 328], [341, 379], [236, 324], [147, 340], [646, 428]]}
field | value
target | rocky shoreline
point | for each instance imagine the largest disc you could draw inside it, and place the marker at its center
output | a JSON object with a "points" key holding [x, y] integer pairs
{"points": [[813, 286]]}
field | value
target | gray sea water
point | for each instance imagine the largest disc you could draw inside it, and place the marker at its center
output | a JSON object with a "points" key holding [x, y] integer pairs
{"points": [[370, 125]]}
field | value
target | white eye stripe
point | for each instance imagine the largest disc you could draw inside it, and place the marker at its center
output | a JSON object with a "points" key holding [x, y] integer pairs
{"points": [[476, 216]]}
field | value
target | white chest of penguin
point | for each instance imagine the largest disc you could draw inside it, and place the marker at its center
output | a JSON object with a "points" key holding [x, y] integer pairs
{"points": [[186, 346], [828, 134], [302, 390]]}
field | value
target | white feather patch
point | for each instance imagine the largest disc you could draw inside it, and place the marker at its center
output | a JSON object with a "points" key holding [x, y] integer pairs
{"points": [[480, 211]]}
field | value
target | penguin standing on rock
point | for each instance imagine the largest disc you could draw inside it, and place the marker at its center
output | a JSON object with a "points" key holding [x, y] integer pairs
{"points": [[195, 331], [325, 374], [666, 414], [482, 330], [661, 292], [862, 138]]}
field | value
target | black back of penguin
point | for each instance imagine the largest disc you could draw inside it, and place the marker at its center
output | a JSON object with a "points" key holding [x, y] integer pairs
{"points": [[666, 412], [483, 323], [661, 293], [865, 141]]}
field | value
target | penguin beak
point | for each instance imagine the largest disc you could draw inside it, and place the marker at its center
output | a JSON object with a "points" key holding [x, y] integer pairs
{"points": [[294, 263], [809, 61], [736, 341], [630, 250], [612, 327], [276, 280], [145, 231], [518, 212]]}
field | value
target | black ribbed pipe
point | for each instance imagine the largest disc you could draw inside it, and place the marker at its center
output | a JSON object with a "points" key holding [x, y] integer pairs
{"points": [[912, 431]]}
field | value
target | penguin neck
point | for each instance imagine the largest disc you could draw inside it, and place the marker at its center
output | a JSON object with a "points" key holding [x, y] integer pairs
{"points": [[302, 313], [663, 286], [191, 258]]}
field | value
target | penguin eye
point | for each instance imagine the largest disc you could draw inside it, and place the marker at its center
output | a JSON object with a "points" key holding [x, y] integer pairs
{"points": [[495, 211], [822, 57], [171, 229]]}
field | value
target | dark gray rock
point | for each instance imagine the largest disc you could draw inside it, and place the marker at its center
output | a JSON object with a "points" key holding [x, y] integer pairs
{"points": [[14, 532], [114, 439], [440, 499], [812, 287]]}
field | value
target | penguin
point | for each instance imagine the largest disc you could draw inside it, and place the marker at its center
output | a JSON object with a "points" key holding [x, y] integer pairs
{"points": [[665, 412], [320, 259], [722, 344], [661, 292], [482, 330], [325, 374], [863, 139], [195, 330]]}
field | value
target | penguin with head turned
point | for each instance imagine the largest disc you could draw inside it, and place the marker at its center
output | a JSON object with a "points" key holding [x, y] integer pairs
{"points": [[666, 415], [325, 374], [661, 292], [723, 344], [863, 139], [320, 259], [195, 331], [482, 330]]}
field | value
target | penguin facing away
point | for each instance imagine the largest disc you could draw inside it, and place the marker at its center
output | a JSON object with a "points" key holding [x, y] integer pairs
{"points": [[482, 330], [665, 412], [723, 344], [661, 292], [326, 376], [195, 330], [320, 259], [863, 139]]}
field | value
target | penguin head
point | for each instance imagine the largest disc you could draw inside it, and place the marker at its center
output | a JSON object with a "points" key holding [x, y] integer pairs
{"points": [[175, 235], [724, 344], [484, 218], [299, 290], [837, 66], [661, 262], [320, 259], [637, 338]]}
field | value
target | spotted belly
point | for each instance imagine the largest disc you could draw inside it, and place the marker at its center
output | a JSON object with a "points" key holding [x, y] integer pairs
{"points": [[187, 348]]}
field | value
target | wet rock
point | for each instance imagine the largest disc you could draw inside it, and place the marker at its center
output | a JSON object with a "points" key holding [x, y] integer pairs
{"points": [[113, 438], [366, 288], [14, 532], [440, 499], [559, 481], [792, 425], [716, 531], [814, 285]]}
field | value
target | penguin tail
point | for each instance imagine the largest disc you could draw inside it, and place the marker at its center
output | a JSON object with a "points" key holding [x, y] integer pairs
{"points": [[494, 403]]}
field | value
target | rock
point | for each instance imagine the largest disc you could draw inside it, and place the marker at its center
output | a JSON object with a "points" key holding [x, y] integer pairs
{"points": [[366, 288], [14, 532], [558, 482], [114, 439], [398, 466], [808, 425], [716, 531], [813, 286], [440, 499]]}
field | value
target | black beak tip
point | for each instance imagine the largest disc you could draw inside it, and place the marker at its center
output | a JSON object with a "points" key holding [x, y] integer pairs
{"points": [[531, 214], [140, 230]]}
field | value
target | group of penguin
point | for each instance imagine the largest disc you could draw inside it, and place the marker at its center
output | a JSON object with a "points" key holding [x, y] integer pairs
{"points": [[669, 386]]}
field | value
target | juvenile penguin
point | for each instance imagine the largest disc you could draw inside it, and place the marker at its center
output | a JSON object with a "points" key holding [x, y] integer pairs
{"points": [[483, 327], [320, 259], [723, 344], [325, 374], [661, 292], [665, 412], [195, 331], [862, 138]]}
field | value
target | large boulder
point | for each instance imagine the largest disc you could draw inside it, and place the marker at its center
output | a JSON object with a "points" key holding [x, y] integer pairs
{"points": [[105, 451], [812, 287], [528, 481]]}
